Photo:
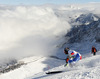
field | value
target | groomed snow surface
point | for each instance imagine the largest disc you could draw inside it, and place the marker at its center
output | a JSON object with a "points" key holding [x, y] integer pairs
{"points": [[87, 68]]}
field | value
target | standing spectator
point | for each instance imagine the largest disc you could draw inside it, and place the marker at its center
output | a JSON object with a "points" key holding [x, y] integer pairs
{"points": [[94, 50]]}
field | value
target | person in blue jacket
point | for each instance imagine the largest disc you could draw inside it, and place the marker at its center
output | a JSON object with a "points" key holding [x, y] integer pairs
{"points": [[72, 56]]}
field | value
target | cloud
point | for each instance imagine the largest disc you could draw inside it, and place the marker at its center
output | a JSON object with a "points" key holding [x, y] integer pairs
{"points": [[29, 30]]}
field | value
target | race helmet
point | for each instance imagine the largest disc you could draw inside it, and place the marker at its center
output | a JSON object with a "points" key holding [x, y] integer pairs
{"points": [[66, 50]]}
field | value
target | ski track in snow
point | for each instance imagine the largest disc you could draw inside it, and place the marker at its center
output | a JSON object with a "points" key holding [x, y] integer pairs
{"points": [[87, 68]]}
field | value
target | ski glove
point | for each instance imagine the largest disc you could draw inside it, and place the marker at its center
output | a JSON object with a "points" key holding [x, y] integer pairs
{"points": [[67, 59]]}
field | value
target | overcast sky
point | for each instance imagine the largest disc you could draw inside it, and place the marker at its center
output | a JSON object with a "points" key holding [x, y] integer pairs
{"points": [[39, 2]]}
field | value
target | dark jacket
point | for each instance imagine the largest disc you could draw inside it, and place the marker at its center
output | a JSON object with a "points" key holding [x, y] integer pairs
{"points": [[94, 49]]}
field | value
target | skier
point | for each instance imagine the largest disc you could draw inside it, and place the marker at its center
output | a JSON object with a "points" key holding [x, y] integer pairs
{"points": [[72, 56], [94, 50]]}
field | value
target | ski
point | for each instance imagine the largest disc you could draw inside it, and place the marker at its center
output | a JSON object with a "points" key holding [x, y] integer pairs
{"points": [[54, 72]]}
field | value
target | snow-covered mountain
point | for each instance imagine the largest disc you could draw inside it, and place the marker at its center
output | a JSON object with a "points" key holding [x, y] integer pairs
{"points": [[87, 30], [32, 39]]}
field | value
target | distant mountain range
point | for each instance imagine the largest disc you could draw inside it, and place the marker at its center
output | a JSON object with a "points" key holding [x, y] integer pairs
{"points": [[87, 30]]}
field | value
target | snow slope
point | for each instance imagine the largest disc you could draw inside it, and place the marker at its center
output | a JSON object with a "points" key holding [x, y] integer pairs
{"points": [[87, 68]]}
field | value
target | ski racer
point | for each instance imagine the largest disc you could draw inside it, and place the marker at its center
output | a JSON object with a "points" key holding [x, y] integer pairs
{"points": [[72, 56]]}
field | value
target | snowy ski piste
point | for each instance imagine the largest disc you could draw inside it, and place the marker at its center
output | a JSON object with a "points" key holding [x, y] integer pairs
{"points": [[33, 38]]}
